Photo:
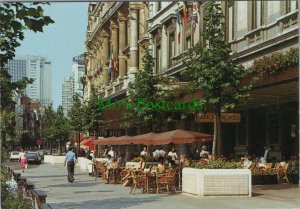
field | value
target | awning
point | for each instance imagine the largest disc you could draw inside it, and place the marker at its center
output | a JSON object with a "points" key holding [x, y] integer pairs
{"points": [[175, 136], [87, 143]]}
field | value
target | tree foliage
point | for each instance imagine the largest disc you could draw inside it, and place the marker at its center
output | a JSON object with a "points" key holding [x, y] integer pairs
{"points": [[75, 117], [15, 18], [146, 86], [55, 126], [212, 69], [92, 113]]}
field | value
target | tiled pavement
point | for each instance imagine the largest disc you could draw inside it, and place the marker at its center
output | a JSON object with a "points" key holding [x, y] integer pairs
{"points": [[87, 193]]}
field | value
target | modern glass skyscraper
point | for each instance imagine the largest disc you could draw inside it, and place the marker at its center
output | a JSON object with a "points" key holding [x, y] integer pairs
{"points": [[67, 94], [37, 68], [78, 71]]}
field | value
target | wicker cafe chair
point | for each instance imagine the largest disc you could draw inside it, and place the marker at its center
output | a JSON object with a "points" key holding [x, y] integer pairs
{"points": [[267, 169], [276, 168], [138, 180], [282, 174], [98, 169], [166, 181]]}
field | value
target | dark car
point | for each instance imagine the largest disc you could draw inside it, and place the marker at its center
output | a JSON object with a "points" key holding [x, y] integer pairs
{"points": [[33, 157]]}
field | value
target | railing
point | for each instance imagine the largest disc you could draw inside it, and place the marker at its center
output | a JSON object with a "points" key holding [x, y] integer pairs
{"points": [[25, 189]]}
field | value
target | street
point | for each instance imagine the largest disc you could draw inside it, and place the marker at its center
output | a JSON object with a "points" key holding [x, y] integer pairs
{"points": [[87, 193]]}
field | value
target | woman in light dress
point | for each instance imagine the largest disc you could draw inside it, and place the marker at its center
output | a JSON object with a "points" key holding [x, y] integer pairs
{"points": [[22, 159]]}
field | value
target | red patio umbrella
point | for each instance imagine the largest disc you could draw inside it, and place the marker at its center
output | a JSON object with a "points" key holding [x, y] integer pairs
{"points": [[180, 136]]}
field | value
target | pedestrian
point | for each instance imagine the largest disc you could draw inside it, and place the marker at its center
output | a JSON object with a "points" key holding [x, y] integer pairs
{"points": [[112, 152], [70, 161], [23, 160], [144, 152], [174, 156]]}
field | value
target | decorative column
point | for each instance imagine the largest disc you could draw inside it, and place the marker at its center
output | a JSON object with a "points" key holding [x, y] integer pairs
{"points": [[105, 55], [133, 10], [164, 48], [122, 44], [115, 42]]}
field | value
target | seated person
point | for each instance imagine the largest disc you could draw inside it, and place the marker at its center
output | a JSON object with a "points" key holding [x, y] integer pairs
{"points": [[161, 165], [247, 162], [204, 159], [142, 163], [141, 167], [186, 161], [111, 163]]}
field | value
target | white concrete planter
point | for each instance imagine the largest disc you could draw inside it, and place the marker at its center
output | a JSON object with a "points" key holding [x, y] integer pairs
{"points": [[48, 158], [216, 182]]}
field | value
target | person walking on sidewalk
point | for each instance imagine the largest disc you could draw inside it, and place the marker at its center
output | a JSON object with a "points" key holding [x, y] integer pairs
{"points": [[70, 161], [23, 160]]}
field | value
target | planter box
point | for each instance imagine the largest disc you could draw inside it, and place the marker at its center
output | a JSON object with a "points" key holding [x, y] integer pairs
{"points": [[216, 182], [54, 159], [48, 158], [264, 179]]}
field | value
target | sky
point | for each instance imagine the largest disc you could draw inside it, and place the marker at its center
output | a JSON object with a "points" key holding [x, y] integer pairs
{"points": [[60, 41]]}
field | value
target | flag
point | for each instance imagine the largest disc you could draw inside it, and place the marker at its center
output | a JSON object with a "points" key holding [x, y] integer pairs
{"points": [[195, 16], [110, 67], [185, 13], [194, 20], [178, 26]]}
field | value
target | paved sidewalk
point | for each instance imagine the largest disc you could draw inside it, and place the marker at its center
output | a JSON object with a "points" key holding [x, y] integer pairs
{"points": [[87, 193]]}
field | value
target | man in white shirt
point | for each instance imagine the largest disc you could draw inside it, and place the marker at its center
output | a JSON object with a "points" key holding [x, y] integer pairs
{"points": [[111, 152], [162, 152], [173, 154], [144, 152]]}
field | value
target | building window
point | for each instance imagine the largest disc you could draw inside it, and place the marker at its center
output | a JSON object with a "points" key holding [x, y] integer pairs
{"points": [[171, 48], [257, 14], [158, 58], [188, 42], [290, 6], [158, 6]]}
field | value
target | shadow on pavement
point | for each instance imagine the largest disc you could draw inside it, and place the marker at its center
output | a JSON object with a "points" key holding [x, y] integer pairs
{"points": [[80, 192], [114, 203], [275, 186], [74, 184]]}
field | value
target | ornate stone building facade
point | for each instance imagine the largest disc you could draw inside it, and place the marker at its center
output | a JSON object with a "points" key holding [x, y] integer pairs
{"points": [[117, 31], [254, 29]]}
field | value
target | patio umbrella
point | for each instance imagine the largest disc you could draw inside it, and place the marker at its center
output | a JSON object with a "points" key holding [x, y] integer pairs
{"points": [[180, 136], [87, 143]]}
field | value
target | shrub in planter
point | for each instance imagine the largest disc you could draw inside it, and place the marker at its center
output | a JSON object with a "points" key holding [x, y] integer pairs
{"points": [[217, 164]]}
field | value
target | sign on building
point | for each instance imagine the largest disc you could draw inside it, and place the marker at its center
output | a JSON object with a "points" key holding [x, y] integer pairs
{"points": [[225, 118]]}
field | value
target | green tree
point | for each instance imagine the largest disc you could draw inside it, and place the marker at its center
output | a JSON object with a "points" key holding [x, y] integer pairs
{"points": [[213, 70], [75, 118], [92, 113], [49, 126], [61, 123], [146, 89], [15, 18]]}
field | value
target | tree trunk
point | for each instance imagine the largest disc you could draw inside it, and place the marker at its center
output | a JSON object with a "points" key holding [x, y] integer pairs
{"points": [[59, 147], [219, 137], [50, 148], [217, 142], [78, 145]]}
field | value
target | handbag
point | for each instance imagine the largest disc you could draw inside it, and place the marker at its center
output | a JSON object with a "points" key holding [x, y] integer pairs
{"points": [[26, 166]]}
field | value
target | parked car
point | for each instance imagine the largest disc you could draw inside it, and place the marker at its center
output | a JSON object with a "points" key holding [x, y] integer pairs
{"points": [[33, 157], [41, 153], [14, 155]]}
